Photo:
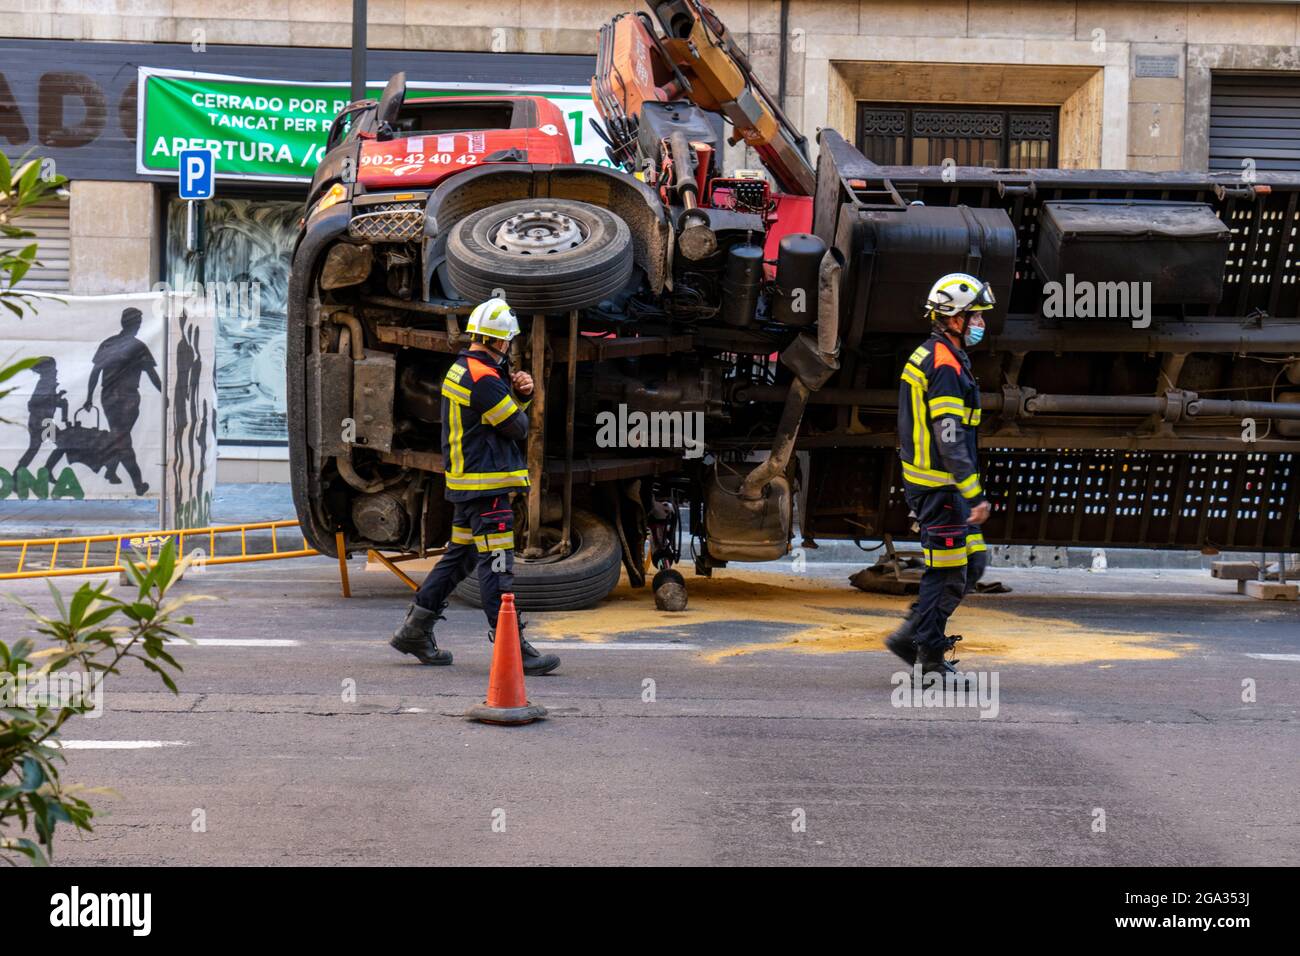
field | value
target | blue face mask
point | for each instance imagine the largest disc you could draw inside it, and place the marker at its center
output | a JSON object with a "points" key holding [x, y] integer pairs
{"points": [[973, 335]]}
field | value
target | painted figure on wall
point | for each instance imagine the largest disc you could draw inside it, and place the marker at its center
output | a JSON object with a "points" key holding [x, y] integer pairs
{"points": [[47, 398], [192, 428], [119, 362]]}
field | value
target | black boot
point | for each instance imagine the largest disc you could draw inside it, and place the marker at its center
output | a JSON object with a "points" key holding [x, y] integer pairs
{"points": [[900, 641], [535, 662], [933, 661], [415, 637]]}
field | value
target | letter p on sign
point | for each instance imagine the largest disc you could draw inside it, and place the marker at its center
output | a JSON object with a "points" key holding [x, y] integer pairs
{"points": [[198, 169]]}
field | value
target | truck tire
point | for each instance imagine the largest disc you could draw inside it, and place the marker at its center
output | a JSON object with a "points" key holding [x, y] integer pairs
{"points": [[573, 583], [546, 255]]}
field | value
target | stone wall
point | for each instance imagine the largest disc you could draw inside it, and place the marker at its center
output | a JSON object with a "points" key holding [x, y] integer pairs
{"points": [[1079, 54], [1142, 123], [112, 230]]}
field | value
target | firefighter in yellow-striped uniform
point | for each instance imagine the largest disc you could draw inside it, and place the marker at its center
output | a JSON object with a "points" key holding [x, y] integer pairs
{"points": [[938, 419], [483, 423]]}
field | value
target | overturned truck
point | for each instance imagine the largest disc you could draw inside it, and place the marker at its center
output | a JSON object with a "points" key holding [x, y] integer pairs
{"points": [[690, 331]]}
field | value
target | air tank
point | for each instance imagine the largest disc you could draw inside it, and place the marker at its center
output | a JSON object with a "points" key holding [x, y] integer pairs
{"points": [[798, 265], [741, 283]]}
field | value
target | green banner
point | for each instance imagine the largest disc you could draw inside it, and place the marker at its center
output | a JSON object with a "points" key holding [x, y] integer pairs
{"points": [[258, 129], [264, 129]]}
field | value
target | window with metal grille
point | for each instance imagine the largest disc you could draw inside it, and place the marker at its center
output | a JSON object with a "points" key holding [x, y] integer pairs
{"points": [[906, 134]]}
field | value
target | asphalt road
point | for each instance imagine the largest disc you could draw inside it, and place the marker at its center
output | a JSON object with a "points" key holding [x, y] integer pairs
{"points": [[1120, 700]]}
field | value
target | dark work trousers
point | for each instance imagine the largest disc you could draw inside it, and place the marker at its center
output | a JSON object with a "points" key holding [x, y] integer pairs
{"points": [[977, 562], [482, 533], [942, 516]]}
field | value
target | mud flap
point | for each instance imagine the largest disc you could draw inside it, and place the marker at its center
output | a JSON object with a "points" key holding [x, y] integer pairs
{"points": [[740, 530]]}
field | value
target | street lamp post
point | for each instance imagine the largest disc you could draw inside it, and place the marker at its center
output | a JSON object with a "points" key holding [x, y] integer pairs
{"points": [[358, 49]]}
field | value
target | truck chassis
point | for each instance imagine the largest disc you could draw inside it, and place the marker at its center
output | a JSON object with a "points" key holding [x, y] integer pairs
{"points": [[780, 321]]}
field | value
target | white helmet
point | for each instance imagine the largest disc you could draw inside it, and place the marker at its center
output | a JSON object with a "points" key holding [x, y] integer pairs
{"points": [[494, 319], [959, 292]]}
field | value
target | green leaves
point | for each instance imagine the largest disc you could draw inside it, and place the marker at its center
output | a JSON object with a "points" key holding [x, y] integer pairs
{"points": [[91, 635], [33, 775], [21, 187], [85, 645], [9, 371]]}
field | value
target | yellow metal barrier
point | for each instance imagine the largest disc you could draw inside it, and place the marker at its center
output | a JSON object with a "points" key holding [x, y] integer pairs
{"points": [[188, 539]]}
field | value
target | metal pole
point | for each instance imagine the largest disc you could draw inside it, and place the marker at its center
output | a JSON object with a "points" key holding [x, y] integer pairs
{"points": [[1118, 405], [571, 401], [358, 49], [536, 438], [164, 518], [1023, 335], [784, 50]]}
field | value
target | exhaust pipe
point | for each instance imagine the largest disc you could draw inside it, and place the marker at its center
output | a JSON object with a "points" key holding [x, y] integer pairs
{"points": [[813, 363]]}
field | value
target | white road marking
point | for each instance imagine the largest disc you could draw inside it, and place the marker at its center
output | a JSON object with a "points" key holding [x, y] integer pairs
{"points": [[233, 642], [614, 646], [116, 744], [243, 642], [1275, 657]]}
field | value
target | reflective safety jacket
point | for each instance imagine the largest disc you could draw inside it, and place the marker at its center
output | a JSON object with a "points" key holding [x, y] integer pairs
{"points": [[938, 419], [482, 425]]}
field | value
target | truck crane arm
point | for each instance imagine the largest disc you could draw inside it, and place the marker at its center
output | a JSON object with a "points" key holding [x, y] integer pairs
{"points": [[690, 55]]}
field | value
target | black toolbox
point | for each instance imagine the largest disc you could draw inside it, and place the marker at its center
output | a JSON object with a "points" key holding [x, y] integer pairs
{"points": [[915, 245], [1181, 248]]}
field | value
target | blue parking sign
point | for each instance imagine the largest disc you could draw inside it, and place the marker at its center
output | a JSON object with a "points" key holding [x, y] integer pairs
{"points": [[198, 169]]}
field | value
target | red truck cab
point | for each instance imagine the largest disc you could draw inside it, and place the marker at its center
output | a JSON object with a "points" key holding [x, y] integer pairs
{"points": [[438, 136]]}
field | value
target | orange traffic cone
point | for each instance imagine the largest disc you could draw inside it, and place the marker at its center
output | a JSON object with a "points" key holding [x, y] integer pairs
{"points": [[507, 702]]}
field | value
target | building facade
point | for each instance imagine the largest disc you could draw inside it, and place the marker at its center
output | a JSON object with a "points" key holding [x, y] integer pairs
{"points": [[999, 83]]}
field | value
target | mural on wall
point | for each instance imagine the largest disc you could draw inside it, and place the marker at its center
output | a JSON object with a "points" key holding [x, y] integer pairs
{"points": [[245, 271], [120, 403], [86, 422], [191, 473]]}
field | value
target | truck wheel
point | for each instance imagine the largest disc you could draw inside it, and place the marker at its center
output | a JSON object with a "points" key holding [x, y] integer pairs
{"points": [[580, 580], [546, 255]]}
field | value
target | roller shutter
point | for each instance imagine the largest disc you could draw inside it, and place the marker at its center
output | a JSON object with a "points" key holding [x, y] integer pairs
{"points": [[49, 222], [1255, 116]]}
